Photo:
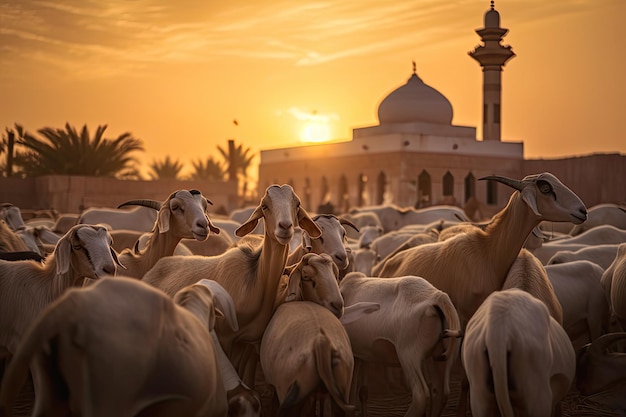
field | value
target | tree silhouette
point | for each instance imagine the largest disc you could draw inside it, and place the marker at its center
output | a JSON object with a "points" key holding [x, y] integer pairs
{"points": [[241, 160], [68, 152], [165, 169], [209, 169]]}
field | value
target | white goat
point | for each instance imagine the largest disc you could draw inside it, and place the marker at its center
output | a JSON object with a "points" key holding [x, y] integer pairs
{"points": [[518, 359], [332, 241], [182, 215], [528, 274], [84, 251], [614, 283], [471, 265], [385, 338], [137, 218], [119, 376], [304, 345], [250, 272], [601, 255], [597, 236], [580, 293], [606, 213], [393, 217], [242, 401]]}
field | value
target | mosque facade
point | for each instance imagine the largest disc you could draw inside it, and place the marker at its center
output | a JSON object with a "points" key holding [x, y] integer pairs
{"points": [[416, 157]]}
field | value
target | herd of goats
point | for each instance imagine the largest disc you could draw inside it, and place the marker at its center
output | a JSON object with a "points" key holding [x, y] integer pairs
{"points": [[161, 309]]}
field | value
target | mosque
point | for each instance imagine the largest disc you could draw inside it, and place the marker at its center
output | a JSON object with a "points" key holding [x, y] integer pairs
{"points": [[416, 157]]}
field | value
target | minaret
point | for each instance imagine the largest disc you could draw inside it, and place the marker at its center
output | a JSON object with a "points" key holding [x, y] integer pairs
{"points": [[492, 56]]}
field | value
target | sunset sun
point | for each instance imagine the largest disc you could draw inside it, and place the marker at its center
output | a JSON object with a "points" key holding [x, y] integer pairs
{"points": [[315, 131]]}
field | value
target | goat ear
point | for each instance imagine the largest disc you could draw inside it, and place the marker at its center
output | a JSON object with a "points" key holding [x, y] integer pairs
{"points": [[223, 301], [530, 198], [164, 219], [251, 223], [293, 286], [307, 224], [62, 254]]}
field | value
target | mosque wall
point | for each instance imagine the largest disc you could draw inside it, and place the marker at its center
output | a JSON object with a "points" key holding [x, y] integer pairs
{"points": [[391, 177]]}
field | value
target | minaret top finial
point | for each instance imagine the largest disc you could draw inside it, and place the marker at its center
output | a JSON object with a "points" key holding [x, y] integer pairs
{"points": [[492, 5], [414, 68]]}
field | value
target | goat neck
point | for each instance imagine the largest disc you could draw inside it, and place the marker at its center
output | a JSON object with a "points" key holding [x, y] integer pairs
{"points": [[505, 235]]}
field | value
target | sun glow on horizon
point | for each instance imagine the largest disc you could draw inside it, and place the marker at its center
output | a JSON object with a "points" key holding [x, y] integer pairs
{"points": [[315, 132], [316, 127]]}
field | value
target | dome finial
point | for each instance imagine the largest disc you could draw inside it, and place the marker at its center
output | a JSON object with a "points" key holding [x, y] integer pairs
{"points": [[492, 5], [414, 68]]}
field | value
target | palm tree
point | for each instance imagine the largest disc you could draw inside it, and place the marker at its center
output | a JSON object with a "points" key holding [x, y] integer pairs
{"points": [[209, 169], [67, 152], [165, 169], [238, 162]]}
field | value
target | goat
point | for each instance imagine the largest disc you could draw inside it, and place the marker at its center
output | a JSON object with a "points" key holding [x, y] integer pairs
{"points": [[182, 215], [528, 274], [580, 293], [242, 401], [614, 283], [119, 377], [606, 213], [601, 255], [137, 218], [312, 279], [392, 217], [471, 265], [518, 359], [601, 372], [83, 252], [384, 338], [250, 271], [304, 345], [595, 237], [331, 241]]}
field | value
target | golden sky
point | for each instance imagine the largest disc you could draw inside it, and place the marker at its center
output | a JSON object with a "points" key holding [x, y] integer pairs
{"points": [[177, 73]]}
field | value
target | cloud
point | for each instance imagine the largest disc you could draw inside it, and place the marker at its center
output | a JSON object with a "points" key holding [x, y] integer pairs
{"points": [[96, 38]]}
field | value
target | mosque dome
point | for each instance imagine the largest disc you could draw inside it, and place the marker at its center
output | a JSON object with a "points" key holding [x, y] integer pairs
{"points": [[415, 102], [492, 18]]}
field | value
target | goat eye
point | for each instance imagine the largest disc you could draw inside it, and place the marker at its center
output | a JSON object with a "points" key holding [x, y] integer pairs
{"points": [[76, 247], [544, 187]]}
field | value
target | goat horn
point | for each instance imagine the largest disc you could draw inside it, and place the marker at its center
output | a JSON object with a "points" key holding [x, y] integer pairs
{"points": [[517, 184], [153, 204], [601, 343], [6, 205], [348, 223]]}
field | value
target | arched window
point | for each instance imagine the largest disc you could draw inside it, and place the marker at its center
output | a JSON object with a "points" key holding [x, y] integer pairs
{"points": [[448, 184], [381, 188], [424, 189], [344, 196], [470, 186]]}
